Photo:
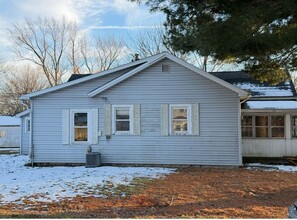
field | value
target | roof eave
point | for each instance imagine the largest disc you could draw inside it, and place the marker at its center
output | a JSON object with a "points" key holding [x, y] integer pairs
{"points": [[84, 79]]}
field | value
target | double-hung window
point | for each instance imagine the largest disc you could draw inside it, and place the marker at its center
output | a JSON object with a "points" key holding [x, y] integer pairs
{"points": [[180, 119], [122, 119], [80, 126]]}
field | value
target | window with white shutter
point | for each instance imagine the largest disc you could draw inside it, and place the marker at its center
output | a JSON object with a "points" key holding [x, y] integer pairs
{"points": [[180, 119], [80, 126]]}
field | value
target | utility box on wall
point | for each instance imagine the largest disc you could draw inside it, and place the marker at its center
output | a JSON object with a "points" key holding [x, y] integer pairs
{"points": [[93, 159]]}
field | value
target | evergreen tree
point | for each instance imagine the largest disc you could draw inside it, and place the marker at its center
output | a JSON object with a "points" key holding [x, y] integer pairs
{"points": [[261, 34]]}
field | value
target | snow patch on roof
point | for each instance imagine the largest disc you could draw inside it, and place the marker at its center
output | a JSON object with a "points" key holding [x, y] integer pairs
{"points": [[8, 120], [265, 90], [271, 104], [56, 183]]}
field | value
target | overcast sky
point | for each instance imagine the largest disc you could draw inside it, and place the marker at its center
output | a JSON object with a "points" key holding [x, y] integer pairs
{"points": [[117, 16]]}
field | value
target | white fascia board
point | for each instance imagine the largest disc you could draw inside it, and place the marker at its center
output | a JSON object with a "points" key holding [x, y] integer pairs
{"points": [[21, 114], [112, 83], [241, 93], [93, 76], [251, 111]]}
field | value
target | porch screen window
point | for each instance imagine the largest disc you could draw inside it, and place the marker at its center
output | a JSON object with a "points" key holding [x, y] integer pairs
{"points": [[180, 119], [278, 126], [261, 126], [264, 126], [294, 126], [247, 126], [80, 126]]}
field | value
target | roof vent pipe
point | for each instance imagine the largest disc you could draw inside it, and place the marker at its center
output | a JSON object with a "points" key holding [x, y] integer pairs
{"points": [[136, 56]]}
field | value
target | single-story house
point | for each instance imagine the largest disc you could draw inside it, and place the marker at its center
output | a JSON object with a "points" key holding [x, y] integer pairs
{"points": [[158, 110], [9, 132], [25, 132]]}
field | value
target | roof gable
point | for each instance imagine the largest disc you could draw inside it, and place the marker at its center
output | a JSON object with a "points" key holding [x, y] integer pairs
{"points": [[137, 66], [156, 59]]}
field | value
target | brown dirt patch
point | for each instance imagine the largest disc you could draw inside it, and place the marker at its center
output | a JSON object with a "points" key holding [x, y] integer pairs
{"points": [[189, 193]]}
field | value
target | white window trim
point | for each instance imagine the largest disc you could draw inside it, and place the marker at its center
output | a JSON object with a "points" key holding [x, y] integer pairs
{"points": [[131, 120], [72, 112], [189, 119], [27, 120]]}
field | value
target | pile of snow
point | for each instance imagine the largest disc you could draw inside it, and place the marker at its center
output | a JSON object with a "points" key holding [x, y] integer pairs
{"points": [[284, 168], [46, 184]]}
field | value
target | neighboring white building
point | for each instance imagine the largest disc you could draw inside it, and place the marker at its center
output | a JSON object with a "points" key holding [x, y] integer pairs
{"points": [[9, 132]]}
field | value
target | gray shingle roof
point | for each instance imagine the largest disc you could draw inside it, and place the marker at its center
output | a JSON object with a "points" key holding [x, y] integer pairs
{"points": [[245, 81]]}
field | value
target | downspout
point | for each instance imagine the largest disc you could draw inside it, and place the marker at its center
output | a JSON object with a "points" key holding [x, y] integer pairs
{"points": [[22, 127], [247, 98], [31, 130], [31, 135], [239, 128]]}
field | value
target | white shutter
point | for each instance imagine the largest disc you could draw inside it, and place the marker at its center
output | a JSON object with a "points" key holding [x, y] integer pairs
{"points": [[136, 119], [164, 120], [195, 119], [107, 119], [94, 126], [65, 126]]}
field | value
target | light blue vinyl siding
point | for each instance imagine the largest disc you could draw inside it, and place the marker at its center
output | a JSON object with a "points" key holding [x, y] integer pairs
{"points": [[216, 144], [25, 137]]}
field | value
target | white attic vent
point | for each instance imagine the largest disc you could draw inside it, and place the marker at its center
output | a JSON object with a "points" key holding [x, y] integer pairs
{"points": [[165, 68]]}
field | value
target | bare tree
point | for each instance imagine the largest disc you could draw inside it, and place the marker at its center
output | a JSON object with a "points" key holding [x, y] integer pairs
{"points": [[19, 81], [44, 42], [153, 41], [149, 42], [87, 53], [2, 65], [102, 53], [108, 51], [207, 63]]}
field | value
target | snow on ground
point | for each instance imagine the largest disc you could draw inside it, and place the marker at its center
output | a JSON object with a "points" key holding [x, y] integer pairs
{"points": [[284, 168], [45, 184]]}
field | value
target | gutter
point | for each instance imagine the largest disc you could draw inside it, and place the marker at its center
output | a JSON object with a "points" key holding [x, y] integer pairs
{"points": [[247, 98]]}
